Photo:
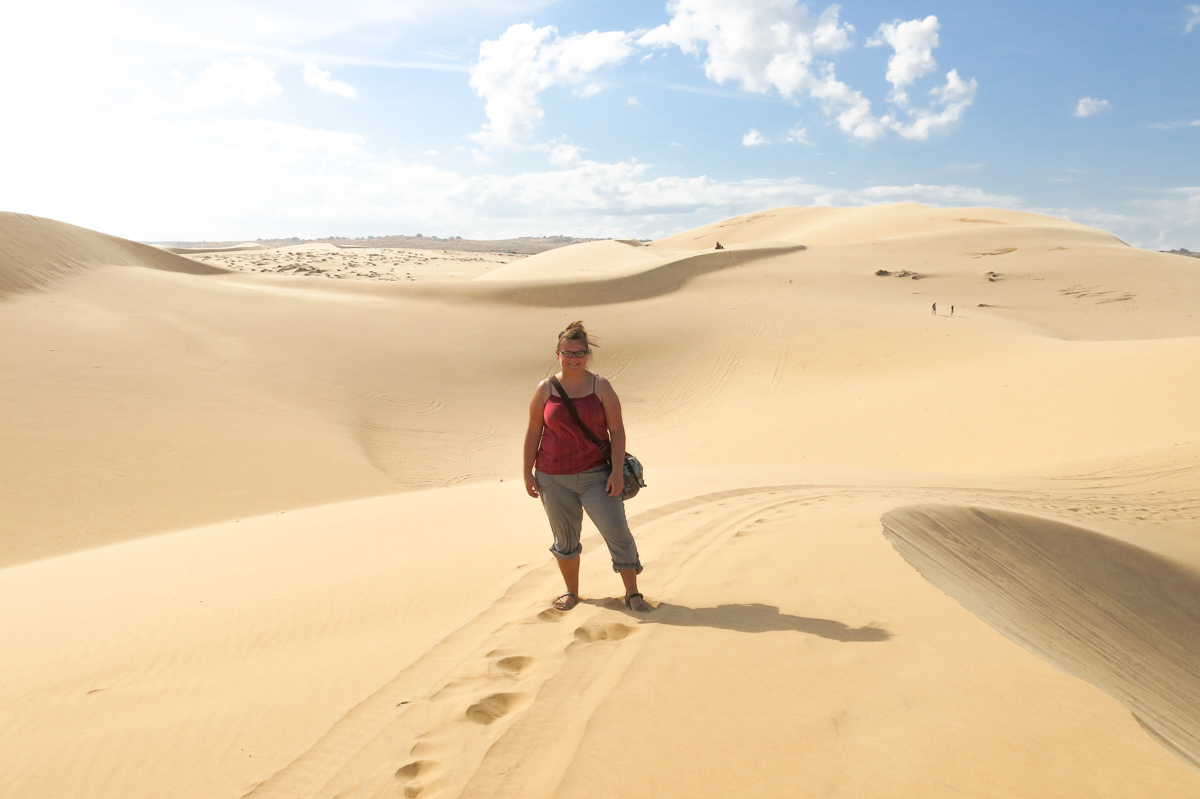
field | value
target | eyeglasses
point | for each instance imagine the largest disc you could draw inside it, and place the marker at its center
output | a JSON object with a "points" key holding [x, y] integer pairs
{"points": [[573, 355]]}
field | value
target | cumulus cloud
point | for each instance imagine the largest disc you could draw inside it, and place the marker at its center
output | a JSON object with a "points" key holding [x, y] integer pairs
{"points": [[913, 42], [947, 107], [753, 139], [322, 80], [761, 44], [1193, 19], [1090, 106], [561, 153], [513, 71], [245, 79], [766, 45]]}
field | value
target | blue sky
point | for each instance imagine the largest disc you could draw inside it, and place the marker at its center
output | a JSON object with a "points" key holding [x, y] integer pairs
{"points": [[235, 119]]}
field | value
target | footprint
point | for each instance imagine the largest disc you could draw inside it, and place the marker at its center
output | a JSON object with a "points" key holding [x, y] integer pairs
{"points": [[514, 665], [609, 631], [406, 774], [550, 614], [494, 707], [413, 770]]}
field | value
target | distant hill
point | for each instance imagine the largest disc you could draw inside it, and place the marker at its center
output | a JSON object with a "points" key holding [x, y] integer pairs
{"points": [[1182, 251], [525, 245]]}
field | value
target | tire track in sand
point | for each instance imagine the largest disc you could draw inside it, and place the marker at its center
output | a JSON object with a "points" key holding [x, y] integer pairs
{"points": [[481, 713], [428, 730]]}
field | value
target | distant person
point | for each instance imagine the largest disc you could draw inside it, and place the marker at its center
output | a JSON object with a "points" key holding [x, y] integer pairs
{"points": [[718, 247], [952, 310], [935, 308], [570, 474]]}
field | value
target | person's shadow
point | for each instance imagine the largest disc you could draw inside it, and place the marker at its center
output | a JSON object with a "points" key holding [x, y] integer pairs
{"points": [[751, 618]]}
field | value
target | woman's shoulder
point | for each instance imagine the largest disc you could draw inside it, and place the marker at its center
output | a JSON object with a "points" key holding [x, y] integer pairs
{"points": [[543, 390], [604, 388]]}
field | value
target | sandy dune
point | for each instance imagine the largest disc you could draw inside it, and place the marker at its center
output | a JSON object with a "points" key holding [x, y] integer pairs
{"points": [[265, 536]]}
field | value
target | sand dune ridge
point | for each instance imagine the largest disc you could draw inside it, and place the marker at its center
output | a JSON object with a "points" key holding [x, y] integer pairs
{"points": [[37, 252], [1125, 619]]}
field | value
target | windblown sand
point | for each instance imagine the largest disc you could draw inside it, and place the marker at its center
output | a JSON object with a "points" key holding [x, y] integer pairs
{"points": [[264, 533]]}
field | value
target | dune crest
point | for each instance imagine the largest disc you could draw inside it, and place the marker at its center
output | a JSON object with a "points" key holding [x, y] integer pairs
{"points": [[827, 225], [566, 278], [248, 246], [37, 252]]}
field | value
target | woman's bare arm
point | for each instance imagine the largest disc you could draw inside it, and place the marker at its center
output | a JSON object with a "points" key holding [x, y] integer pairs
{"points": [[533, 434], [616, 434]]}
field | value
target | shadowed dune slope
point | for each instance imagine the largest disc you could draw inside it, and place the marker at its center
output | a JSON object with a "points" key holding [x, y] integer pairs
{"points": [[1114, 614], [36, 252]]}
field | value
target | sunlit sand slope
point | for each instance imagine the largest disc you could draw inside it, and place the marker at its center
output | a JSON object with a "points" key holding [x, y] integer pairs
{"points": [[264, 535], [36, 252]]}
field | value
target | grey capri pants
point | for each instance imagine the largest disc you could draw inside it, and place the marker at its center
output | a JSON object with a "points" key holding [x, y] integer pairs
{"points": [[566, 496]]}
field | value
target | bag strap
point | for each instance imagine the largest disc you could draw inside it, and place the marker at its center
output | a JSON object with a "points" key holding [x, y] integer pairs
{"points": [[587, 431]]}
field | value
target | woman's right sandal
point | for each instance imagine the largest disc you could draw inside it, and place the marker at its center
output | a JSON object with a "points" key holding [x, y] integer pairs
{"points": [[566, 601], [638, 604]]}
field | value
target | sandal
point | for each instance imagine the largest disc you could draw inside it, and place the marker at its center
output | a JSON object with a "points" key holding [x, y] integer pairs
{"points": [[638, 604], [566, 601]]}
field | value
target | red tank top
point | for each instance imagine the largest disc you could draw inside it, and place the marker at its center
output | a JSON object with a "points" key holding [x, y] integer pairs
{"points": [[565, 449]]}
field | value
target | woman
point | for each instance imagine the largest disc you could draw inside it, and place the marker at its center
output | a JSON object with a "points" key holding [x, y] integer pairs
{"points": [[571, 473]]}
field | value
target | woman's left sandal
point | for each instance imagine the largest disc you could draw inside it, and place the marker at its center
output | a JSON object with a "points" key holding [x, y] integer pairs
{"points": [[566, 601], [638, 604]]}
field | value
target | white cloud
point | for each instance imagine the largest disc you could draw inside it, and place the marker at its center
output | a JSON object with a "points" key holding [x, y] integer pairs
{"points": [[1195, 123], [949, 103], [761, 44], [633, 102], [766, 45], [226, 80], [1160, 219], [798, 136], [852, 110], [913, 42], [561, 152], [246, 178], [1174, 218], [1089, 106], [1193, 19], [513, 70], [321, 79], [753, 139]]}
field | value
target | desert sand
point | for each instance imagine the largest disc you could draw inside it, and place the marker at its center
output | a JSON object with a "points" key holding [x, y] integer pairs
{"points": [[357, 263], [265, 534]]}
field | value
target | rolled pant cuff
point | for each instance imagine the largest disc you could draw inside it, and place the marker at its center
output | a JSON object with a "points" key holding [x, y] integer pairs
{"points": [[635, 567]]}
